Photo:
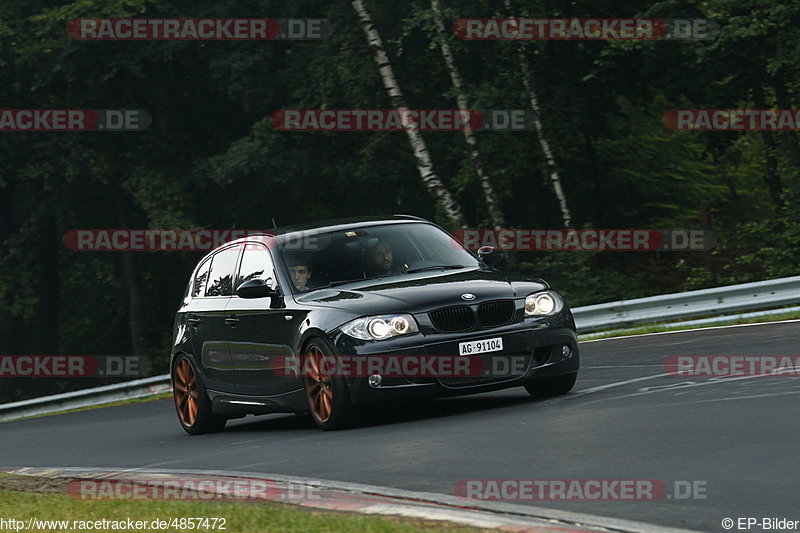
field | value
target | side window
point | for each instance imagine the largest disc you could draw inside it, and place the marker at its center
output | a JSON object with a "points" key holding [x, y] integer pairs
{"points": [[223, 265], [199, 283], [256, 263]]}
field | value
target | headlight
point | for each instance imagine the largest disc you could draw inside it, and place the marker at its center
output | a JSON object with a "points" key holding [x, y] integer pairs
{"points": [[376, 328], [543, 304]]}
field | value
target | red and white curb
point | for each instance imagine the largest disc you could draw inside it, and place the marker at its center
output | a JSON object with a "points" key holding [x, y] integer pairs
{"points": [[368, 499]]}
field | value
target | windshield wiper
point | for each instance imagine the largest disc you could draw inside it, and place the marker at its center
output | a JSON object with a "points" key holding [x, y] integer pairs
{"points": [[433, 267]]}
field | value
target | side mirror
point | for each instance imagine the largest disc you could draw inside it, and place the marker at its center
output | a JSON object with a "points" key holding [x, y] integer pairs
{"points": [[256, 288], [490, 255]]}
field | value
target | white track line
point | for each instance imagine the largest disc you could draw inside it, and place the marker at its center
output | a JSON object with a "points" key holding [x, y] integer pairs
{"points": [[613, 385]]}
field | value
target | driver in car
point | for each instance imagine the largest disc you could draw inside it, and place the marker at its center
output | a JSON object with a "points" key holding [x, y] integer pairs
{"points": [[381, 259]]}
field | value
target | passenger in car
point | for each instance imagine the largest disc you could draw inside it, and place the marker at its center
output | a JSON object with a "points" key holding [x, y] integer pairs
{"points": [[300, 269]]}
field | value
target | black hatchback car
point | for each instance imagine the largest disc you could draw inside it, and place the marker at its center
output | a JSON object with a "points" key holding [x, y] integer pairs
{"points": [[323, 317]]}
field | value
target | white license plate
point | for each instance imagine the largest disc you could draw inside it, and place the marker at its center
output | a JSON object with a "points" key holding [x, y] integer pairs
{"points": [[486, 345]]}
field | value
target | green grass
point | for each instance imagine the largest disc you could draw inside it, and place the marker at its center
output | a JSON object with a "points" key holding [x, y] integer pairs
{"points": [[241, 517]]}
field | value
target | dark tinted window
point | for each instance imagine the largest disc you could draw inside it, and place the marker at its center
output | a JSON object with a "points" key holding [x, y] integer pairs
{"points": [[223, 265], [200, 279], [359, 253], [256, 263]]}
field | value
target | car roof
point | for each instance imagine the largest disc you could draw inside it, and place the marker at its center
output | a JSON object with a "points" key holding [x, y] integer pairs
{"points": [[321, 226]]}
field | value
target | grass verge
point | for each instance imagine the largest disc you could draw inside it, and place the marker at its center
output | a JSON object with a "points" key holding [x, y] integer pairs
{"points": [[45, 499]]}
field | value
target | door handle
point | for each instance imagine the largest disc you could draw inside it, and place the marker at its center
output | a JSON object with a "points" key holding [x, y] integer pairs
{"points": [[193, 321], [232, 321]]}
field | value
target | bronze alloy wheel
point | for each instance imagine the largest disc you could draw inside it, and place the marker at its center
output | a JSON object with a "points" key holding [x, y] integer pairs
{"points": [[185, 391], [318, 384]]}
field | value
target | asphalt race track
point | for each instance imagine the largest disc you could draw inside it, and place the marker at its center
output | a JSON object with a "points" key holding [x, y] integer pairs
{"points": [[625, 420]]}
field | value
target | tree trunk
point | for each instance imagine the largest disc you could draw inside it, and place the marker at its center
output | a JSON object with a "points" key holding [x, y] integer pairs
{"points": [[130, 274], [772, 175], [12, 327], [705, 223], [599, 210], [788, 139], [492, 203], [431, 181], [722, 172], [552, 167], [45, 334]]}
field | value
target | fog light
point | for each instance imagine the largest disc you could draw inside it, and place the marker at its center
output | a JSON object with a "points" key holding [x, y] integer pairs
{"points": [[566, 351], [375, 380]]}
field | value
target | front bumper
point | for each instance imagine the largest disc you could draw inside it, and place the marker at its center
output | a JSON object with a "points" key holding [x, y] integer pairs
{"points": [[532, 348]]}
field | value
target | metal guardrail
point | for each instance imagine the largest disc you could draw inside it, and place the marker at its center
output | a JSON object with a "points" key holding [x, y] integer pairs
{"points": [[691, 304], [665, 308], [129, 390]]}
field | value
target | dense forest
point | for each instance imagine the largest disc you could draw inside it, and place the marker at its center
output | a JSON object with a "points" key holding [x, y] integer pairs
{"points": [[211, 158]]}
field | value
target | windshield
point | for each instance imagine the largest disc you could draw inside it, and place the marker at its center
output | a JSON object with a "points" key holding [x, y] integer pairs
{"points": [[355, 254]]}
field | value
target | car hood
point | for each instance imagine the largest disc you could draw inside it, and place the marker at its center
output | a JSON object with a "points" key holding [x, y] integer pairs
{"points": [[424, 291]]}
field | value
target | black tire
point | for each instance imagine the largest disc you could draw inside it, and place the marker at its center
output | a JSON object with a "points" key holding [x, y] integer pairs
{"points": [[545, 387], [337, 411], [191, 399]]}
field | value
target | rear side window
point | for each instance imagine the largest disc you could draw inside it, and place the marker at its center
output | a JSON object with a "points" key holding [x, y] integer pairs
{"points": [[199, 283], [223, 265], [256, 264]]}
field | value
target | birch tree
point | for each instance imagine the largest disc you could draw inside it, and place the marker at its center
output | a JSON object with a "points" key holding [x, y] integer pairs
{"points": [[485, 180], [552, 167], [422, 156]]}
